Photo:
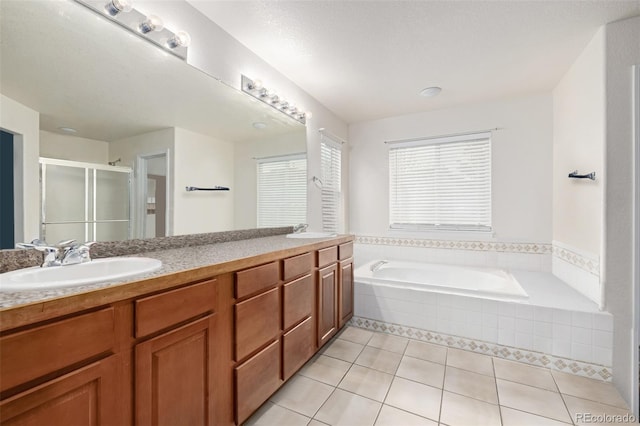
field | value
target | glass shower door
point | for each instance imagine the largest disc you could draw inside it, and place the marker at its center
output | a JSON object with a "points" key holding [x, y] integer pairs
{"points": [[84, 201]]}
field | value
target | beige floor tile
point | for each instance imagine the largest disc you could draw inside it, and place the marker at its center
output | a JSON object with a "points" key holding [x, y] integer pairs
{"points": [[388, 342], [592, 389], [270, 414], [367, 382], [314, 422], [302, 395], [415, 397], [342, 349], [466, 360], [470, 384], [426, 372], [581, 408], [379, 359], [525, 374], [426, 351], [391, 416], [325, 369], [511, 417], [532, 400], [346, 408], [356, 335], [458, 410]]}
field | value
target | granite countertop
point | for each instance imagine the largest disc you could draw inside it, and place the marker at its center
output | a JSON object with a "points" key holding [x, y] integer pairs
{"points": [[209, 258]]}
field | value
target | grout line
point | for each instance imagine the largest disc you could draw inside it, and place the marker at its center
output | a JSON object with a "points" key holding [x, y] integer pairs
{"points": [[444, 377], [563, 400], [495, 380]]}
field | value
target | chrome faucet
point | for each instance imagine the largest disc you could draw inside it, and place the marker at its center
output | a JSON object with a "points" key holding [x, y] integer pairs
{"points": [[64, 253], [301, 227]]}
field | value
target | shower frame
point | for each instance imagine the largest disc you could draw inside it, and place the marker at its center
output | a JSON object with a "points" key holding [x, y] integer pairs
{"points": [[91, 220]]}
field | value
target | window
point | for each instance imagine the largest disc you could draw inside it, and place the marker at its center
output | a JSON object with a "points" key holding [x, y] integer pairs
{"points": [[441, 183], [282, 191], [331, 172]]}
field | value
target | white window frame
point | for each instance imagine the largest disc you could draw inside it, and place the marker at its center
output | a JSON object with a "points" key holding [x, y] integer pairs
{"points": [[266, 222], [484, 224], [331, 178]]}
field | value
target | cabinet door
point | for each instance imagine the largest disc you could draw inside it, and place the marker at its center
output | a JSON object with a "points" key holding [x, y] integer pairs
{"points": [[327, 303], [345, 294], [174, 380], [87, 396]]}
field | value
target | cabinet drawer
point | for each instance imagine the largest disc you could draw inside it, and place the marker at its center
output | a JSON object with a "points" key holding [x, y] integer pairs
{"points": [[256, 380], [327, 256], [345, 251], [297, 347], [298, 300], [34, 353], [255, 279], [257, 322], [297, 265], [163, 310]]}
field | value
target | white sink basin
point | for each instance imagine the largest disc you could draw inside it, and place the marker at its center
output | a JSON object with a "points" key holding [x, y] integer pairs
{"points": [[96, 271], [311, 235]]}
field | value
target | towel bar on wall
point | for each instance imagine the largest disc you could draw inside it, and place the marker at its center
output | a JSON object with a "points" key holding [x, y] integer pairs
{"points": [[215, 188], [574, 174]]}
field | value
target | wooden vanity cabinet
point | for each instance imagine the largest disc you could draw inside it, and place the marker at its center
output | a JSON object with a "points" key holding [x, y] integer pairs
{"points": [[345, 283], [174, 370], [327, 294], [63, 372], [209, 351]]}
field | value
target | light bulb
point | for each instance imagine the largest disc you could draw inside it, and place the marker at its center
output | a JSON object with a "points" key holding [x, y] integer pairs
{"points": [[113, 7], [308, 114], [181, 38], [152, 23], [274, 99], [284, 105], [255, 85]]}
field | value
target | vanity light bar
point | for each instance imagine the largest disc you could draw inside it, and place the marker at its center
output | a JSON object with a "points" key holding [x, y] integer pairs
{"points": [[256, 89], [148, 27]]}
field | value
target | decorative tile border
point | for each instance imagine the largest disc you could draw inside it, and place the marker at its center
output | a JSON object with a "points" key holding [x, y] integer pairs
{"points": [[538, 359], [587, 263], [532, 248]]}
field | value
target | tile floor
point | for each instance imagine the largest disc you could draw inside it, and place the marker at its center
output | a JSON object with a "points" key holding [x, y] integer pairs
{"points": [[366, 378]]}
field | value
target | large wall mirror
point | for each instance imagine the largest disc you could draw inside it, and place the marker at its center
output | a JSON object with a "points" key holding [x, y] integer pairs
{"points": [[136, 108]]}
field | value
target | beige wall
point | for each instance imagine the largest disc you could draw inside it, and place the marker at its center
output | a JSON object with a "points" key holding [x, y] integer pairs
{"points": [[24, 123], [521, 165], [578, 143], [65, 147], [202, 161]]}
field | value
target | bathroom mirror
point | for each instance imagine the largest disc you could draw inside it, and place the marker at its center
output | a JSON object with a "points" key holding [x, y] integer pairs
{"points": [[130, 102]]}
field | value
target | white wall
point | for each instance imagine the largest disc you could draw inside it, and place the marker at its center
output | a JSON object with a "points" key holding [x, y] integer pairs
{"points": [[521, 165], [65, 147], [578, 143], [24, 123], [204, 162], [622, 53], [245, 178], [217, 53]]}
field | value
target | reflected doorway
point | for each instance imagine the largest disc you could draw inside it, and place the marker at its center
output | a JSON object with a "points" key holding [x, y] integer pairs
{"points": [[7, 201], [153, 195]]}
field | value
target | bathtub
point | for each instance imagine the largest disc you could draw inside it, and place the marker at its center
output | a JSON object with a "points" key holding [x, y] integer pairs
{"points": [[488, 283]]}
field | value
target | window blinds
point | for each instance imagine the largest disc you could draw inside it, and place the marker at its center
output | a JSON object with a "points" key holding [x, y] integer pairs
{"points": [[441, 183], [331, 172], [282, 191]]}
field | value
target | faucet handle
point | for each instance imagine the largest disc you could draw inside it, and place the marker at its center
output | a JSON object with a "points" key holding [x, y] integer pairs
{"points": [[65, 244]]}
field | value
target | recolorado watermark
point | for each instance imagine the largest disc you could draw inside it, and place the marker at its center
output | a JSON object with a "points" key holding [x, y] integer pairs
{"points": [[605, 418]]}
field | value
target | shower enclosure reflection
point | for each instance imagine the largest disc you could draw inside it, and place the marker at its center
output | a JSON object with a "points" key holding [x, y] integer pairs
{"points": [[84, 201]]}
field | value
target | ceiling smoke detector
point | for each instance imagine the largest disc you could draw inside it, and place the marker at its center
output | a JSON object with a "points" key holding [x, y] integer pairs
{"points": [[430, 92]]}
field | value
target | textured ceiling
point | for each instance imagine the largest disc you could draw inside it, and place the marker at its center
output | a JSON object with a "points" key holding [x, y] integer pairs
{"points": [[368, 59]]}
